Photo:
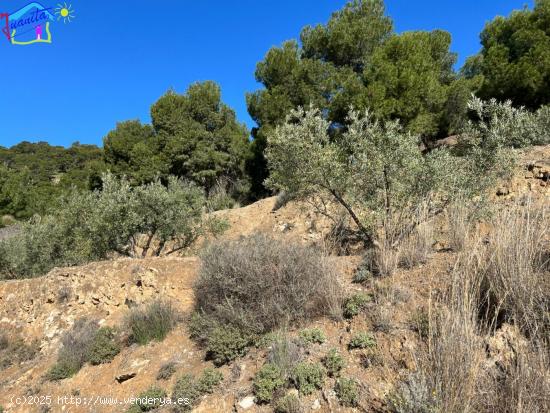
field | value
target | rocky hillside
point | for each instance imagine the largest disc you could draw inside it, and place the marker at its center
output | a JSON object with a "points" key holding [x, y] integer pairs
{"points": [[35, 313]]}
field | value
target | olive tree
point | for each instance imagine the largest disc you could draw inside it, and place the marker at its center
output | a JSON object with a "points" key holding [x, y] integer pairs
{"points": [[152, 219], [375, 170]]}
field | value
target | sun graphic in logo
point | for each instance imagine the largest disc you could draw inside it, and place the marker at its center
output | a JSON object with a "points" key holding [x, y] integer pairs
{"points": [[65, 12]]}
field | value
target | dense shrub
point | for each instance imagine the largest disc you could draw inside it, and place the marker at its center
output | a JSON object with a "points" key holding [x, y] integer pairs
{"points": [[149, 400], [226, 343], [288, 404], [103, 347], [313, 336], [347, 391], [190, 389], [362, 340], [185, 388], [249, 287], [209, 379], [354, 304], [268, 379], [84, 343], [378, 174], [334, 362], [308, 377], [89, 226], [258, 283], [151, 322]]}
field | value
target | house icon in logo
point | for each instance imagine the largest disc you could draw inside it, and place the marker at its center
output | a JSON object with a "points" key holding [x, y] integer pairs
{"points": [[26, 25]]}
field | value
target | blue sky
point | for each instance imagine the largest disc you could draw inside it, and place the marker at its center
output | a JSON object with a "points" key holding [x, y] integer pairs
{"points": [[117, 57]]}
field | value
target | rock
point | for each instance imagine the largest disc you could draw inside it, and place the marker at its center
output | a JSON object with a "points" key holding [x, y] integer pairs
{"points": [[246, 403], [505, 344], [316, 405], [125, 377]]}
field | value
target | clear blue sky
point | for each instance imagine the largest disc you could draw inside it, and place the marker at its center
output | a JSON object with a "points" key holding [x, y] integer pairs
{"points": [[117, 57]]}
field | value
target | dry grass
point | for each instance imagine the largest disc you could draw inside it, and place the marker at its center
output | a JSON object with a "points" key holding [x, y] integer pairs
{"points": [[502, 278], [459, 221], [259, 284], [416, 248], [517, 274]]}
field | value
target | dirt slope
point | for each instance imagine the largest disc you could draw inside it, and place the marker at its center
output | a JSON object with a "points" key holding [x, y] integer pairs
{"points": [[43, 309]]}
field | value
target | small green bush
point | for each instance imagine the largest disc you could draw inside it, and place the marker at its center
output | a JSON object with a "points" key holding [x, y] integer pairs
{"points": [[225, 344], [347, 391], [334, 362], [151, 322], [313, 335], [288, 404], [185, 388], [268, 379], [167, 370], [103, 348], [149, 400], [308, 376], [63, 369], [362, 340], [209, 379], [355, 304], [1, 409]]}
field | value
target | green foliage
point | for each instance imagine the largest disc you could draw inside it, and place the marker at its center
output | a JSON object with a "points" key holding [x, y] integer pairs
{"points": [[33, 175], [355, 304], [149, 400], [194, 136], [356, 60], [408, 71], [362, 340], [133, 150], [506, 126], [307, 377], [185, 388], [288, 404], [313, 335], [515, 58], [209, 379], [268, 379], [103, 347], [347, 391], [89, 226], [188, 390], [334, 362], [226, 343], [377, 172], [200, 136], [152, 322]]}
